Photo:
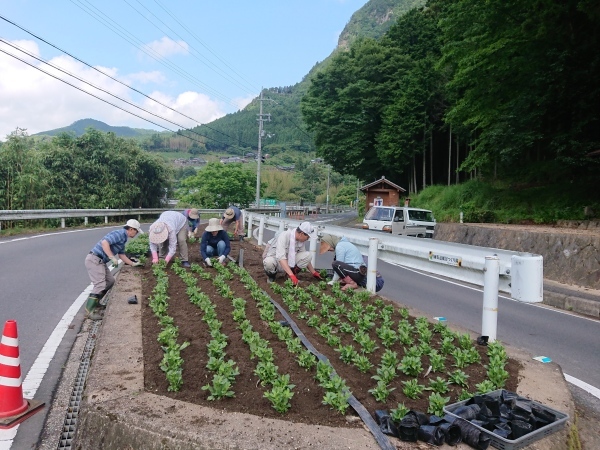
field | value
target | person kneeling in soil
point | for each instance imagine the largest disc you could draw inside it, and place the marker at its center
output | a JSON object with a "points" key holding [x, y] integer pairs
{"points": [[349, 265], [286, 253], [215, 242]]}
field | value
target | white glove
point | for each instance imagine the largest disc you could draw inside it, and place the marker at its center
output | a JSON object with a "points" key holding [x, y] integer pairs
{"points": [[190, 234], [208, 262], [221, 259], [115, 261]]}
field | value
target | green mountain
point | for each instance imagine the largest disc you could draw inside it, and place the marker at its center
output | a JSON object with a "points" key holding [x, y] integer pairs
{"points": [[78, 128], [238, 132]]}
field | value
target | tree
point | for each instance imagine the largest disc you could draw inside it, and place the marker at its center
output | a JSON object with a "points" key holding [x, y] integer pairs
{"points": [[218, 186]]}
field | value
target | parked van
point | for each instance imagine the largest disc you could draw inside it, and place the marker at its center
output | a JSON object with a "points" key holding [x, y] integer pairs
{"points": [[402, 220]]}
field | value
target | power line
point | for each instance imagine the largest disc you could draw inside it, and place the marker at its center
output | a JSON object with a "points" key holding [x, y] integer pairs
{"points": [[114, 79], [204, 45], [207, 63], [120, 31], [112, 104]]}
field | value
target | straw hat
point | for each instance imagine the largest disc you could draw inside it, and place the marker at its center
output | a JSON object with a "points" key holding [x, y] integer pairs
{"points": [[229, 213], [158, 232], [213, 225]]}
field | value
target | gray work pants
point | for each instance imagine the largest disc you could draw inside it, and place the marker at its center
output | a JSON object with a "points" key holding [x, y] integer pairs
{"points": [[163, 248], [99, 274]]}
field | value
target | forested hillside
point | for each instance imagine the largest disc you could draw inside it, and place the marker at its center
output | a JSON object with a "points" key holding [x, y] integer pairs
{"points": [[463, 89], [238, 132]]}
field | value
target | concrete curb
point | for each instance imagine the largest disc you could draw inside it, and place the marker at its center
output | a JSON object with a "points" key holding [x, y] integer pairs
{"points": [[117, 413]]}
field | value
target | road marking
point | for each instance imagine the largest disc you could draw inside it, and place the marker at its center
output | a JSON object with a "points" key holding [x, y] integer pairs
{"points": [[537, 305], [40, 366], [583, 385], [51, 234]]}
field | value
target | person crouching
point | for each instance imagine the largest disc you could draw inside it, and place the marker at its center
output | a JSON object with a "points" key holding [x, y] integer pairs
{"points": [[215, 242]]}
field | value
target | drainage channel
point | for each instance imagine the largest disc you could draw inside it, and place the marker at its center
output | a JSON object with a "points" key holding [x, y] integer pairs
{"points": [[70, 423]]}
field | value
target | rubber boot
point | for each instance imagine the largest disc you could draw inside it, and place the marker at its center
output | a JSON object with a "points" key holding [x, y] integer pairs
{"points": [[271, 276], [90, 308], [101, 296]]}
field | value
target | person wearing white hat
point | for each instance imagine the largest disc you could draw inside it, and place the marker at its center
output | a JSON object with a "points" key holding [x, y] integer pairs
{"points": [[166, 234], [193, 217], [215, 242], [110, 248], [286, 253], [234, 214]]}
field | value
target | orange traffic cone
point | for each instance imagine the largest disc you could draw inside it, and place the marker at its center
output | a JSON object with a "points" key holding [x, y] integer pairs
{"points": [[14, 409]]}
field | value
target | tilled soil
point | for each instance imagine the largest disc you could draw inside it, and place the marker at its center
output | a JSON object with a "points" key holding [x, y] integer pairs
{"points": [[306, 403]]}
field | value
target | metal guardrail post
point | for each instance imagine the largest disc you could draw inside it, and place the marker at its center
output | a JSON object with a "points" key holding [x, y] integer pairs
{"points": [[527, 278], [249, 215], [62, 222], [313, 249], [85, 221], [261, 230], [372, 268], [489, 317]]}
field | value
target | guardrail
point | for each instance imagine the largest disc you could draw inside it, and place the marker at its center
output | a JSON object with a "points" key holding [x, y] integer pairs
{"points": [[520, 274]]}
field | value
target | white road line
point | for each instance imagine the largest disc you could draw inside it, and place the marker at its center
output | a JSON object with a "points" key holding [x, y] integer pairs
{"points": [[583, 385], [40, 366], [51, 234]]}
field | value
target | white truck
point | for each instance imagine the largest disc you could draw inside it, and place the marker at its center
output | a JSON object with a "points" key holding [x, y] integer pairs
{"points": [[402, 220]]}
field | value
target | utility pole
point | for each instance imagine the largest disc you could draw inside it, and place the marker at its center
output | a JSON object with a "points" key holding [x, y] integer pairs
{"points": [[259, 155]]}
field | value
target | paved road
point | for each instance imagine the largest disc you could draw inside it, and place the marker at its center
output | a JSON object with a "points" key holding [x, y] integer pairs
{"points": [[42, 276]]}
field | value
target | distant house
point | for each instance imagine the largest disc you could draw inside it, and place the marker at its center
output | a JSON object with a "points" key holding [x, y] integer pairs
{"points": [[233, 159], [382, 192]]}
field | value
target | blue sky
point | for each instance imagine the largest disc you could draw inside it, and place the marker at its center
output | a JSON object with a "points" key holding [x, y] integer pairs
{"points": [[201, 58]]}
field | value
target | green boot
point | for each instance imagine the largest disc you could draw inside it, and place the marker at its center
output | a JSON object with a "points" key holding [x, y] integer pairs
{"points": [[90, 307]]}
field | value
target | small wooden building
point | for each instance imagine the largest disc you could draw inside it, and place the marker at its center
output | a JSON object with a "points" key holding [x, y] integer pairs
{"points": [[382, 192]]}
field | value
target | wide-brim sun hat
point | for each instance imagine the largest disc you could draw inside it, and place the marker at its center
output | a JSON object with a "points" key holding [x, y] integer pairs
{"points": [[158, 232], [132, 223], [213, 225], [193, 214]]}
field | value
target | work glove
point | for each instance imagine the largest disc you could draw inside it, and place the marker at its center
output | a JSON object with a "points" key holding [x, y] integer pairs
{"points": [[115, 261], [154, 257], [136, 263], [317, 275], [222, 259], [294, 279], [208, 262], [190, 235]]}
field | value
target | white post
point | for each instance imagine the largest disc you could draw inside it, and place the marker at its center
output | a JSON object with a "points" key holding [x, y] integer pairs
{"points": [[527, 278], [313, 250], [461, 217], [85, 221], [372, 269], [106, 217], [250, 218], [62, 222], [281, 225], [261, 230], [489, 320]]}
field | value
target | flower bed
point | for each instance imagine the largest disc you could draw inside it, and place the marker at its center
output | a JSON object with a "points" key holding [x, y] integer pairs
{"points": [[363, 337]]}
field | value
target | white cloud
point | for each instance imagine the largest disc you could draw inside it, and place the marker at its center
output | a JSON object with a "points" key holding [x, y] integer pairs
{"points": [[35, 101], [165, 47], [242, 102]]}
